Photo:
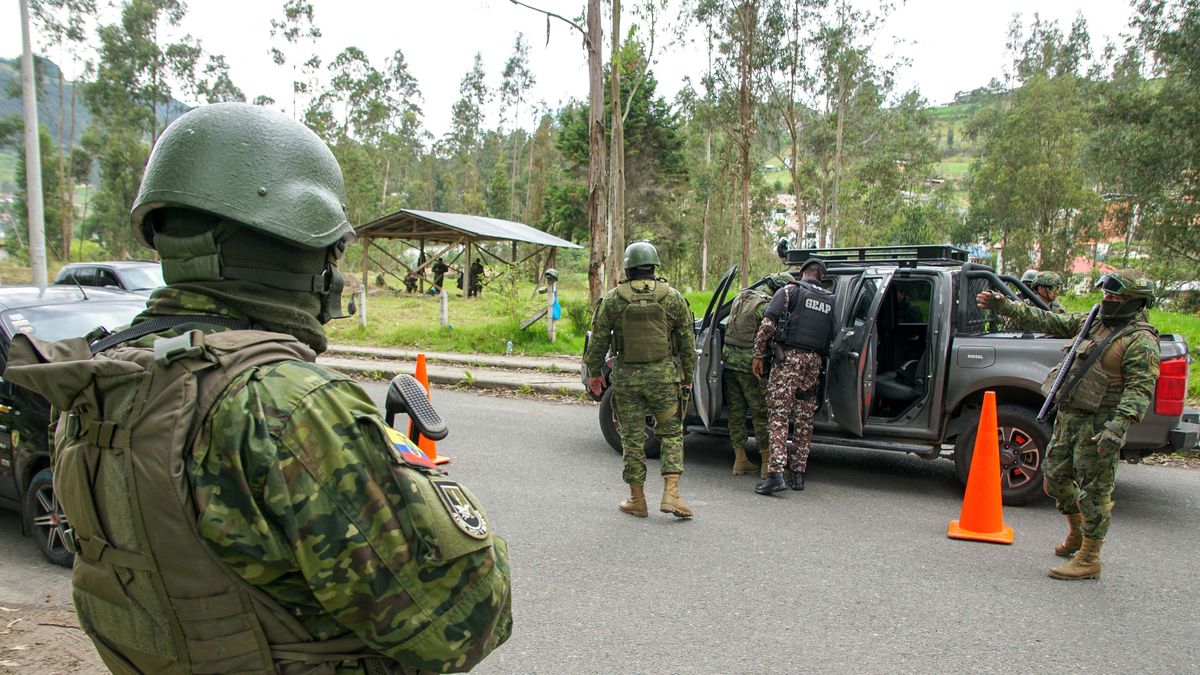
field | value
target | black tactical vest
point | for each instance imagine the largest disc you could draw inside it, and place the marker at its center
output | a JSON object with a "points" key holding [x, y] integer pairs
{"points": [[807, 322]]}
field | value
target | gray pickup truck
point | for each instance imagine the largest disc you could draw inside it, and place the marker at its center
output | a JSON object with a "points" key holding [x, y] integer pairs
{"points": [[911, 358]]}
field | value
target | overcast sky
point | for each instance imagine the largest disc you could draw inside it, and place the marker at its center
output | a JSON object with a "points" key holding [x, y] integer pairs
{"points": [[952, 45]]}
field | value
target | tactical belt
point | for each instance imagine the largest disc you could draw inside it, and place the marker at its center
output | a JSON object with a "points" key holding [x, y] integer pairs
{"points": [[161, 323]]}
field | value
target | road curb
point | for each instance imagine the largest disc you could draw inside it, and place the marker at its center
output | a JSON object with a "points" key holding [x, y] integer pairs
{"points": [[446, 375]]}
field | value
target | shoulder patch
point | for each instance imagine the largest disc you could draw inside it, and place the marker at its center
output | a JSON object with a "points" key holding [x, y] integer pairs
{"points": [[467, 516]]}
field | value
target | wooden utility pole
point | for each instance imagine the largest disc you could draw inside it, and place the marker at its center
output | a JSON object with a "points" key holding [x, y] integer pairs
{"points": [[33, 158]]}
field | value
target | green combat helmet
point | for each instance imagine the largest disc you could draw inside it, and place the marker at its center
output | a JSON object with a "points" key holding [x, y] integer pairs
{"points": [[1029, 276], [640, 254], [1135, 293], [1050, 280], [551, 274], [250, 167], [779, 280]]}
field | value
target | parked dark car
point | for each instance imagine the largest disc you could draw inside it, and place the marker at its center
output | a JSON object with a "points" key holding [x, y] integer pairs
{"points": [[911, 358], [57, 313], [135, 276]]}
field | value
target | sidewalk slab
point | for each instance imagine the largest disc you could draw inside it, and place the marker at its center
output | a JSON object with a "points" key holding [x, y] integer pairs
{"points": [[558, 363], [443, 373]]}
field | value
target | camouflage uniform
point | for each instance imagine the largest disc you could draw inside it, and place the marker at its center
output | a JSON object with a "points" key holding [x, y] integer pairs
{"points": [[744, 392], [641, 388], [797, 370], [295, 494], [1078, 475]]}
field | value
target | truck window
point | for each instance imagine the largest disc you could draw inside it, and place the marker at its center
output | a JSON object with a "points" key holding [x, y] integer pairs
{"points": [[866, 296]]}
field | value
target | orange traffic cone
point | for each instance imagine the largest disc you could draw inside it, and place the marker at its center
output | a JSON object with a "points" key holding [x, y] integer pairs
{"points": [[981, 518], [426, 444]]}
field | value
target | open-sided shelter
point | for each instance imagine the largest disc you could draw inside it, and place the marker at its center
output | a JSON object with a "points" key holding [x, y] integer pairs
{"points": [[434, 234]]}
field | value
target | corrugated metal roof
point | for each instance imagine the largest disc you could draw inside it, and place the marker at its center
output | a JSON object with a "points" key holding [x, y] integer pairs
{"points": [[437, 226]]}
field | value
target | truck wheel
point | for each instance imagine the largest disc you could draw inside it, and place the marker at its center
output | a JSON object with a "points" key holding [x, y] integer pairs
{"points": [[1023, 443], [46, 519], [608, 426]]}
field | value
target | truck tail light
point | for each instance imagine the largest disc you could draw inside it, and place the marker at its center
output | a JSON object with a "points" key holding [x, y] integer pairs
{"points": [[1172, 386]]}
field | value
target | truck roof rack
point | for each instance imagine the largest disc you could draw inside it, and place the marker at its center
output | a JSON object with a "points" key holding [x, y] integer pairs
{"points": [[901, 256]]}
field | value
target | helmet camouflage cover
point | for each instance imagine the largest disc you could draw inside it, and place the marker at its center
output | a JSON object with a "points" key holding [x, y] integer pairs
{"points": [[1127, 284], [1050, 280], [640, 254], [1029, 276], [247, 164]]}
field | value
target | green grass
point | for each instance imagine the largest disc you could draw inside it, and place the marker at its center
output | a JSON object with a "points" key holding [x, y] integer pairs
{"points": [[481, 325]]}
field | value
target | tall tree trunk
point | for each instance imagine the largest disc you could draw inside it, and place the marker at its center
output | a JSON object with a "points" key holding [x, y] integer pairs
{"points": [[748, 16], [596, 206], [616, 168], [837, 164]]}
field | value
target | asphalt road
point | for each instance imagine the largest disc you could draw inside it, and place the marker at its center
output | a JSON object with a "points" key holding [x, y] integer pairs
{"points": [[853, 574]]}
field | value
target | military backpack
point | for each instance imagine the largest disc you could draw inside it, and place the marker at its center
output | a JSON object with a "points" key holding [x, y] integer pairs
{"points": [[744, 317], [148, 589]]}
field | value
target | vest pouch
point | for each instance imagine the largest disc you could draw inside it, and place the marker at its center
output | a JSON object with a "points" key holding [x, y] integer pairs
{"points": [[1048, 383], [1089, 392]]}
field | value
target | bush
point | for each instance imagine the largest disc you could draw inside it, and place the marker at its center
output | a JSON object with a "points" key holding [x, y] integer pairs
{"points": [[578, 312]]}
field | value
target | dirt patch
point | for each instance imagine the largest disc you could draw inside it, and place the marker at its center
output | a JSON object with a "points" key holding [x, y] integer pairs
{"points": [[1189, 459], [43, 640]]}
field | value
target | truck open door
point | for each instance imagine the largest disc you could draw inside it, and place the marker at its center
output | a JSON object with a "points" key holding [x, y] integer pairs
{"points": [[708, 388], [851, 368]]}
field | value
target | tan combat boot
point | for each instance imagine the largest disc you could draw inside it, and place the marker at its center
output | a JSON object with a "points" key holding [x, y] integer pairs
{"points": [[765, 455], [672, 503], [1085, 564], [1074, 536], [741, 464], [636, 504]]}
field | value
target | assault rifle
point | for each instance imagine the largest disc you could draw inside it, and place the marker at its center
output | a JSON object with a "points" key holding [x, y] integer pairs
{"points": [[1066, 364]]}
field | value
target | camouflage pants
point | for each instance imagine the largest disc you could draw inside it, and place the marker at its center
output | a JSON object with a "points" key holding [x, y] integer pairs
{"points": [[746, 392], [1078, 476], [631, 404], [797, 371]]}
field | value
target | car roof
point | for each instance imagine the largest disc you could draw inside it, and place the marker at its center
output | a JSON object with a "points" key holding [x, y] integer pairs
{"points": [[118, 264], [15, 297]]}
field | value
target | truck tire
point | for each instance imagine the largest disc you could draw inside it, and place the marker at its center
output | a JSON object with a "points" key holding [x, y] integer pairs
{"points": [[1023, 443], [46, 521], [608, 427]]}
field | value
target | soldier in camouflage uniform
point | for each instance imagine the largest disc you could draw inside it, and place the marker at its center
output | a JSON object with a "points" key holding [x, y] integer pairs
{"points": [[336, 545], [1047, 285], [745, 392], [1107, 391], [648, 325], [796, 331]]}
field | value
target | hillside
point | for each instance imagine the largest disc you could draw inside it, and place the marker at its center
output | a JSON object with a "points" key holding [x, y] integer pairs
{"points": [[48, 109]]}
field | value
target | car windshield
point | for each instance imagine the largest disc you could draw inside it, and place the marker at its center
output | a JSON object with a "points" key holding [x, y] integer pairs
{"points": [[143, 278], [58, 322]]}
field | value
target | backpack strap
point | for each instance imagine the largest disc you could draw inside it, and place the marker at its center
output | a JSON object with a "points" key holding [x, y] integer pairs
{"points": [[161, 323]]}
